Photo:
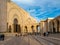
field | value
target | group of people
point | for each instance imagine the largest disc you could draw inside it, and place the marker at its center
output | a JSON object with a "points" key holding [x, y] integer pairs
{"points": [[2, 36], [46, 34]]}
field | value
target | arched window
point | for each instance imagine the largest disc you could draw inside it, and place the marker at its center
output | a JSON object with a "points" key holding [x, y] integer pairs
{"points": [[15, 21], [32, 27]]}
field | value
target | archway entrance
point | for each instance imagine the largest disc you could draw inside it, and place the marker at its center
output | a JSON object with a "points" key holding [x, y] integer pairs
{"points": [[37, 29], [9, 29], [17, 28], [58, 26], [26, 31], [54, 30], [32, 27]]}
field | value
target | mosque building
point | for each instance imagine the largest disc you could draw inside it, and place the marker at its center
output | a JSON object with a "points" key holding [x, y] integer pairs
{"points": [[15, 20]]}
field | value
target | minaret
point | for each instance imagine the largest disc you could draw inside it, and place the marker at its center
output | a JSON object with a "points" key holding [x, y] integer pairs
{"points": [[3, 15]]}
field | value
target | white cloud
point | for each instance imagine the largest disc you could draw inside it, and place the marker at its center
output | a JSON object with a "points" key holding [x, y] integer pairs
{"points": [[51, 3], [47, 6], [41, 3]]}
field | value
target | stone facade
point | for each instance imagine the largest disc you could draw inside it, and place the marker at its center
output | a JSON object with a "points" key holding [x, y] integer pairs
{"points": [[51, 25], [43, 26], [55, 25], [14, 19], [3, 15]]}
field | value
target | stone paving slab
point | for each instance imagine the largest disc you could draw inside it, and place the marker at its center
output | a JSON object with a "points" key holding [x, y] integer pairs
{"points": [[22, 40]]}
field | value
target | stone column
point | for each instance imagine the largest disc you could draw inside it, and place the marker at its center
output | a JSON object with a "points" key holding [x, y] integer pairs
{"points": [[52, 27], [36, 29], [12, 28], [56, 25], [41, 28], [59, 25]]}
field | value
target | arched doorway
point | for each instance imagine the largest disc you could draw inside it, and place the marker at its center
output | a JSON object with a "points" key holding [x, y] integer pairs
{"points": [[37, 28], [58, 26], [26, 31], [10, 29], [54, 30], [32, 27], [17, 28]]}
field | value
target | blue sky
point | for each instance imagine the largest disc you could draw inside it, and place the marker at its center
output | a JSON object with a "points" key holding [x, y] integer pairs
{"points": [[40, 9]]}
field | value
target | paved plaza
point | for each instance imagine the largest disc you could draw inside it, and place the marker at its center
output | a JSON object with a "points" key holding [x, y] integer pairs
{"points": [[56, 35], [30, 40], [21, 40]]}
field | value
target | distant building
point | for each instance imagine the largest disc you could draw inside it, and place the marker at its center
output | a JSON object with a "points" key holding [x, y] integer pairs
{"points": [[55, 25], [51, 25], [43, 26], [48, 24]]}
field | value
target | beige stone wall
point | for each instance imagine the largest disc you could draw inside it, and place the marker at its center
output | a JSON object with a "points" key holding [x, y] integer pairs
{"points": [[50, 25], [54, 26], [10, 11], [48, 22], [3, 15], [43, 26], [57, 24], [24, 19]]}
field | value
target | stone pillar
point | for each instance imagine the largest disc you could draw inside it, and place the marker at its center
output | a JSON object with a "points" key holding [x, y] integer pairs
{"points": [[59, 25], [7, 27], [41, 28], [55, 25], [3, 15], [12, 26], [52, 26]]}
